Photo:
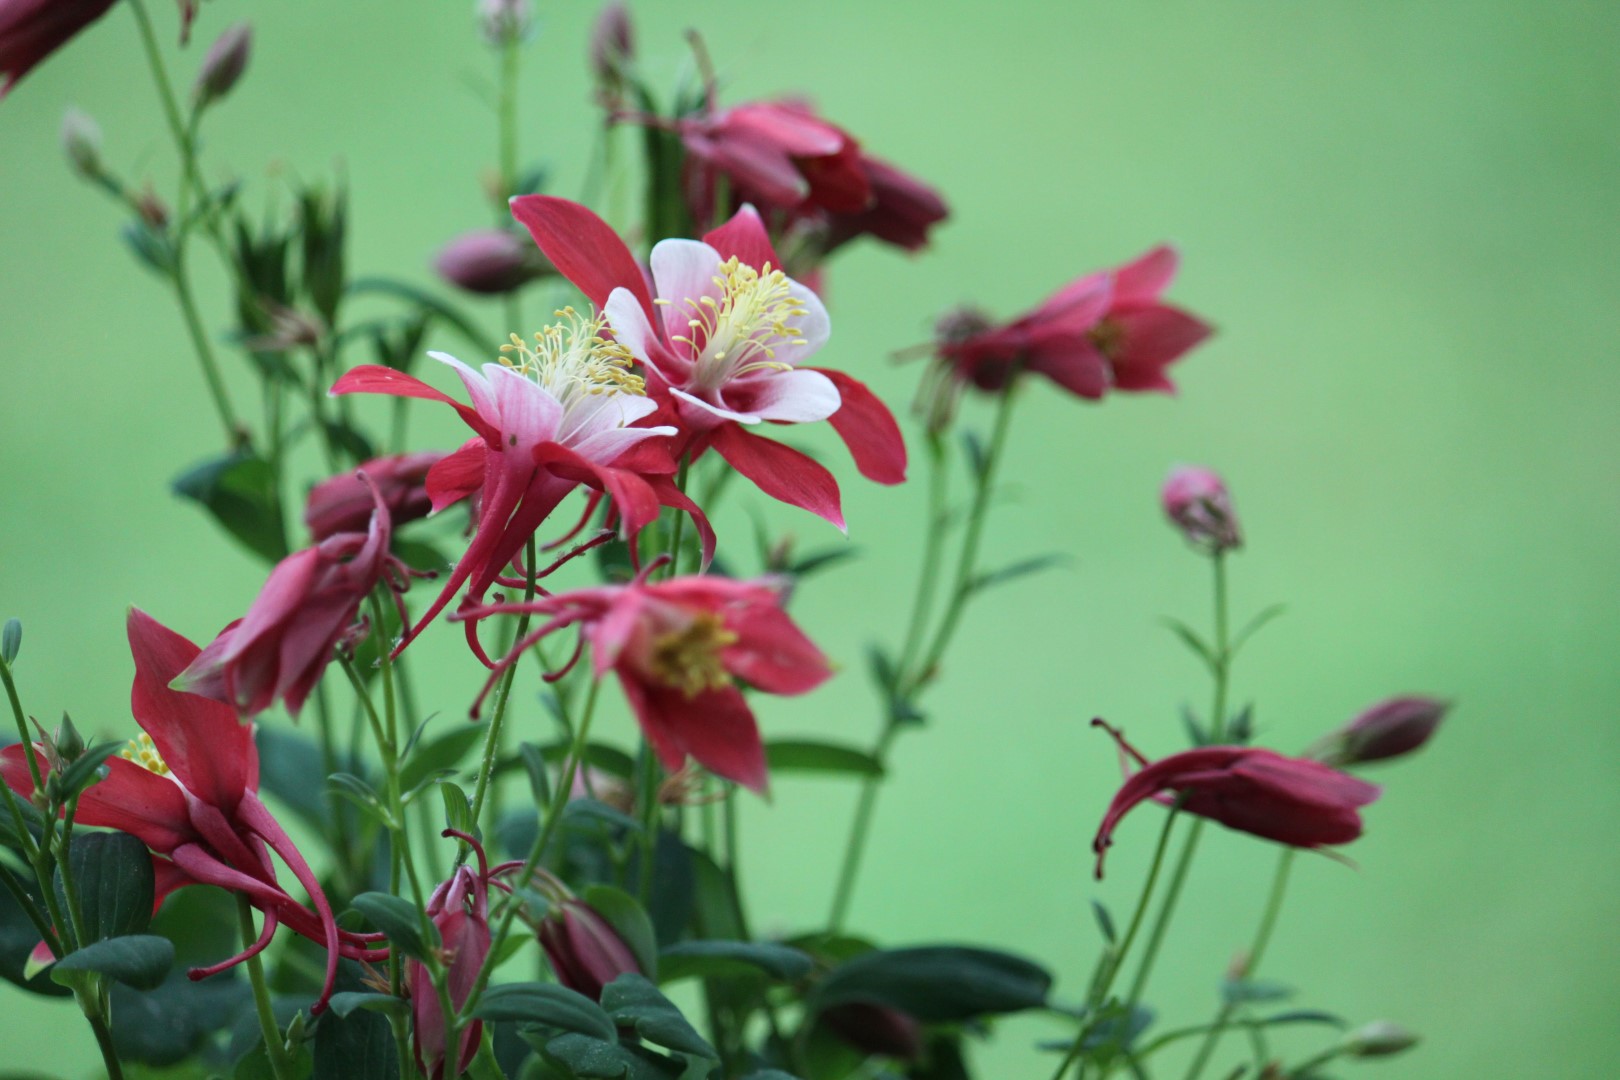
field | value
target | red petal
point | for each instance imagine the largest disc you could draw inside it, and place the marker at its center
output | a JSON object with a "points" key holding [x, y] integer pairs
{"points": [[715, 727], [869, 429], [744, 236], [376, 379], [780, 472], [583, 247], [207, 748], [1145, 278], [1152, 338], [149, 807], [772, 653], [457, 475]]}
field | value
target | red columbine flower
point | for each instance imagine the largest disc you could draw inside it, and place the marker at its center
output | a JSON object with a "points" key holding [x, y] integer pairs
{"points": [[188, 789], [583, 949], [720, 344], [345, 503], [1293, 801], [309, 604], [551, 415], [677, 646], [1104, 331]]}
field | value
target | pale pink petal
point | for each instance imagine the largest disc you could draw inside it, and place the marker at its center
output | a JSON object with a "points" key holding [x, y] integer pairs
{"points": [[791, 397]]}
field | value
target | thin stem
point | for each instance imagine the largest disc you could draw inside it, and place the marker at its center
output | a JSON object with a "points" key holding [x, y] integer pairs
{"points": [[933, 545], [647, 800], [26, 902], [1262, 938], [679, 527], [860, 828], [27, 742], [1115, 959], [508, 150], [1223, 652], [275, 1047], [503, 693], [104, 1042]]}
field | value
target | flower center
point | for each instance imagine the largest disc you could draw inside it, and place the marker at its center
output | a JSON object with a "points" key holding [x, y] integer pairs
{"points": [[689, 658], [572, 361], [144, 752], [1108, 336], [741, 331]]}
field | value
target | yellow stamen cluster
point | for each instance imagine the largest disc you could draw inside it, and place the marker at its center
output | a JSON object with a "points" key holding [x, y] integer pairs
{"points": [[741, 331], [1108, 335], [572, 359], [689, 658], [144, 752]]}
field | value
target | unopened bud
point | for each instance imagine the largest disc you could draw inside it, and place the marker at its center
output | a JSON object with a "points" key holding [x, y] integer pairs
{"points": [[152, 209], [69, 744], [1390, 729], [584, 950], [489, 261], [1381, 1038], [227, 58], [1197, 503], [613, 47], [11, 641], [504, 21], [81, 142]]}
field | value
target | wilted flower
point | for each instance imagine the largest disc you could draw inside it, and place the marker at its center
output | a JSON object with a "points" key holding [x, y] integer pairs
{"points": [[583, 949], [345, 502], [81, 143], [188, 789], [1293, 801], [489, 262], [224, 64], [1196, 502], [1390, 729], [308, 605], [678, 647]]}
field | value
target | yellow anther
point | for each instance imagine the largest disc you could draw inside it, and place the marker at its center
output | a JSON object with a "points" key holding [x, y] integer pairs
{"points": [[572, 359], [144, 752], [737, 331], [689, 658]]}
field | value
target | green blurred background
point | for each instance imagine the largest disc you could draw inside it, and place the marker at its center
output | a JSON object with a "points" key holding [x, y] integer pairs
{"points": [[1404, 220]]}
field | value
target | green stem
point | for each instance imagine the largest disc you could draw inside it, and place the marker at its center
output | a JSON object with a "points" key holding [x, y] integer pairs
{"points": [[24, 837], [679, 528], [275, 1047], [1115, 958], [503, 693], [1262, 938], [647, 800], [860, 827], [508, 150], [104, 1042], [26, 902], [933, 544], [1305, 1068]]}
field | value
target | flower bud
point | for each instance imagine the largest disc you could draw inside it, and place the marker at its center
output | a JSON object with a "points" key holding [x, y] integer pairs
{"points": [[459, 909], [1390, 729], [1381, 1038], [1197, 503], [488, 261], [504, 21], [876, 1029], [227, 58], [344, 503], [584, 951], [81, 142], [68, 742], [613, 48]]}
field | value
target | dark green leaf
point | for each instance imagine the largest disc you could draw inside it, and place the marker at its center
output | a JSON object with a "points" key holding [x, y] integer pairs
{"points": [[150, 246], [345, 1003], [770, 1074], [357, 1046], [1305, 1016], [1023, 568], [973, 449], [87, 769], [938, 984], [139, 960], [811, 755], [609, 759], [594, 812], [239, 490], [882, 669], [288, 762], [1195, 730], [1240, 729], [630, 921], [821, 560], [727, 959], [1105, 922], [593, 1059], [167, 1025], [534, 763], [1248, 991], [10, 641], [396, 917], [440, 754], [18, 936], [634, 1002], [113, 875], [546, 1003]]}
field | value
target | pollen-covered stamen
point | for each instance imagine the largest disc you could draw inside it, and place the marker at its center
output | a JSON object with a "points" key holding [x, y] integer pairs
{"points": [[573, 361], [688, 658], [1109, 337], [741, 331], [144, 752]]}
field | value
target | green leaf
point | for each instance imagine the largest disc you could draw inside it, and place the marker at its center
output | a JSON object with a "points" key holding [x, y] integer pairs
{"points": [[1240, 729], [10, 641], [1105, 922], [770, 1074], [87, 768], [938, 984], [1253, 626], [345, 1003], [440, 754], [546, 1003], [630, 921], [821, 560], [1305, 1016], [811, 755], [149, 245], [288, 761], [609, 759], [1190, 638], [239, 490], [598, 813], [1023, 568], [1248, 991], [729, 959], [397, 918], [593, 1059], [1195, 730], [534, 763], [457, 808], [113, 875], [18, 936], [634, 1002], [356, 1046], [138, 960]]}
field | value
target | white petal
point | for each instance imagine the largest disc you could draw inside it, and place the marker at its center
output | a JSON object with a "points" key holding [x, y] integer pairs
{"points": [[529, 414], [683, 270], [483, 399], [604, 446], [797, 397], [719, 411], [814, 325]]}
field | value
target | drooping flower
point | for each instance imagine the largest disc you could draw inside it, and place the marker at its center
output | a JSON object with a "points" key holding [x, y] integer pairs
{"points": [[345, 502], [1197, 503], [1293, 801], [720, 336], [188, 789], [30, 30], [678, 648], [550, 416], [310, 603], [1389, 729], [1104, 331], [583, 949]]}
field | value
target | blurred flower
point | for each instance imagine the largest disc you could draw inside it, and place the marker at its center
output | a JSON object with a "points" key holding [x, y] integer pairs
{"points": [[309, 604], [776, 154], [901, 212], [583, 949], [720, 344], [81, 144], [613, 50], [30, 30], [345, 502], [602, 786], [188, 789], [1381, 1038], [875, 1029], [1197, 503], [488, 262], [678, 647], [505, 21], [1390, 729], [1293, 801], [224, 64]]}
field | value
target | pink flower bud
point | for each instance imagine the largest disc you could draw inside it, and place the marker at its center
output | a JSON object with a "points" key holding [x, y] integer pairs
{"points": [[488, 261], [1390, 729], [1197, 503], [344, 503], [613, 47], [505, 21], [459, 909], [585, 952], [224, 64]]}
